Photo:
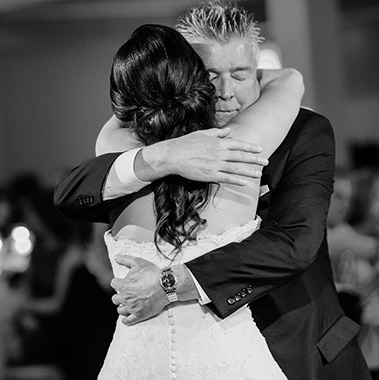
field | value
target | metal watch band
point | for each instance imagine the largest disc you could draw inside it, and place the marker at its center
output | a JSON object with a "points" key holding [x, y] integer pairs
{"points": [[172, 297], [169, 288]]}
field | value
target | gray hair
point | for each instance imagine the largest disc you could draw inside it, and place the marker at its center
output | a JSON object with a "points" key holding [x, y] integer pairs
{"points": [[220, 21]]}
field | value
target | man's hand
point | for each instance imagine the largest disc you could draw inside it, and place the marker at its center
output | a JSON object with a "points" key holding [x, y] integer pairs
{"points": [[208, 156], [139, 295]]}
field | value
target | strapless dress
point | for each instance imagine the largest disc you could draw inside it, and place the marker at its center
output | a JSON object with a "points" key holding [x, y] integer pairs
{"points": [[186, 341]]}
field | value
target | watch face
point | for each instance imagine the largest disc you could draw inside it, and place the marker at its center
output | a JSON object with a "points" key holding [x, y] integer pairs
{"points": [[168, 280]]}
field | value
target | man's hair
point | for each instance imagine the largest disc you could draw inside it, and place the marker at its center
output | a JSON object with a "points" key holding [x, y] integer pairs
{"points": [[219, 21]]}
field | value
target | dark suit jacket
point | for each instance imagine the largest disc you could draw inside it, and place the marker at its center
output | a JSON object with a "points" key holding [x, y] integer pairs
{"points": [[283, 270]]}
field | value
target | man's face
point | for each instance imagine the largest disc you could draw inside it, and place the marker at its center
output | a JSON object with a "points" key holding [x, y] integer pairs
{"points": [[233, 71]]}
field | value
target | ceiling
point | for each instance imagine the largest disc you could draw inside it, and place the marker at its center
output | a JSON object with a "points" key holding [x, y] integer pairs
{"points": [[47, 10], [26, 24], [29, 10]]}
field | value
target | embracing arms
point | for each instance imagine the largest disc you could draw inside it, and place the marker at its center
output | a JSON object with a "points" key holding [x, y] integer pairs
{"points": [[264, 124], [209, 156], [204, 156]]}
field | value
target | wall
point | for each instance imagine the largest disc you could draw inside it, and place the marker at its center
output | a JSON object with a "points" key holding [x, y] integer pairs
{"points": [[289, 27], [354, 115], [55, 103], [54, 81], [4, 153], [56, 95]]}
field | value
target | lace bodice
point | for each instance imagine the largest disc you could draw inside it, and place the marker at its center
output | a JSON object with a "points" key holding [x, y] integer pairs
{"points": [[187, 341], [205, 242]]}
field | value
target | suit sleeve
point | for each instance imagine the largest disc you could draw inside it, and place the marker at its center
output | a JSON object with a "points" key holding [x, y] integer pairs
{"points": [[78, 195], [293, 225]]}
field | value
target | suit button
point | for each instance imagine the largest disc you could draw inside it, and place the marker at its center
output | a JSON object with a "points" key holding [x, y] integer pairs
{"points": [[243, 293], [250, 289], [84, 200], [231, 300]]}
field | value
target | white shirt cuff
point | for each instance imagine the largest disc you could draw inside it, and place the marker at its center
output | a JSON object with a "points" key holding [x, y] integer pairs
{"points": [[204, 299], [121, 179]]}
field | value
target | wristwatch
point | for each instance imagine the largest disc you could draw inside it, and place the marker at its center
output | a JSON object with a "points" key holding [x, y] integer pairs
{"points": [[168, 283]]}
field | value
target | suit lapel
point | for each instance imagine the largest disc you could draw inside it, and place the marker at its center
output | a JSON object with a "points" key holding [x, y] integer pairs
{"points": [[274, 171]]}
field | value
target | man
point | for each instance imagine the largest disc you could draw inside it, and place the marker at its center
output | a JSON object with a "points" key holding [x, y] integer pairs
{"points": [[283, 270]]}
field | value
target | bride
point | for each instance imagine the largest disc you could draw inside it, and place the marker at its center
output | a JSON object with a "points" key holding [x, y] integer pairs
{"points": [[161, 90]]}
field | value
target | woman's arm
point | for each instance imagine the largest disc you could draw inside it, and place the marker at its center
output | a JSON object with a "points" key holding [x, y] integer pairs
{"points": [[265, 123], [114, 138], [268, 120]]}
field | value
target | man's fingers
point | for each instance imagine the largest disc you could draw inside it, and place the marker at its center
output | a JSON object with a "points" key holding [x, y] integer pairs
{"points": [[119, 285], [123, 310], [231, 179], [235, 169], [125, 260], [116, 298], [231, 143], [240, 145], [242, 158], [234, 179], [217, 132], [131, 320]]}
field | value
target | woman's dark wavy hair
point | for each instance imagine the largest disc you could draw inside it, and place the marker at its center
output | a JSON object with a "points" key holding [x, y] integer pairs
{"points": [[161, 90]]}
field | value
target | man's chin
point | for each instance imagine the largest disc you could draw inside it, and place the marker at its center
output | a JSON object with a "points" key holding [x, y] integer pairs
{"points": [[223, 118]]}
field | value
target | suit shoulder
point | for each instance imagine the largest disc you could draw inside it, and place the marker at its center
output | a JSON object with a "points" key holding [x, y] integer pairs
{"points": [[311, 122], [311, 131], [309, 115]]}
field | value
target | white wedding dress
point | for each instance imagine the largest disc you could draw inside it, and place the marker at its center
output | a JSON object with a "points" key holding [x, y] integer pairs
{"points": [[187, 341]]}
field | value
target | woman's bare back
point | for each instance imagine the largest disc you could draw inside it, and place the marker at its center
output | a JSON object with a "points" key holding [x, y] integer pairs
{"points": [[229, 205]]}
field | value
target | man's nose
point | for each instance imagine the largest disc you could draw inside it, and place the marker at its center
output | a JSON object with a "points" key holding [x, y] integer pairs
{"points": [[225, 90]]}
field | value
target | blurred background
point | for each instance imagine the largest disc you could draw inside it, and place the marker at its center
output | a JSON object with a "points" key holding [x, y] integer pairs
{"points": [[55, 59]]}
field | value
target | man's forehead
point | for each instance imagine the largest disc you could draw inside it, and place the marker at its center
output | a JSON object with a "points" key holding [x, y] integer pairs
{"points": [[232, 68], [214, 46], [237, 55], [202, 48]]}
